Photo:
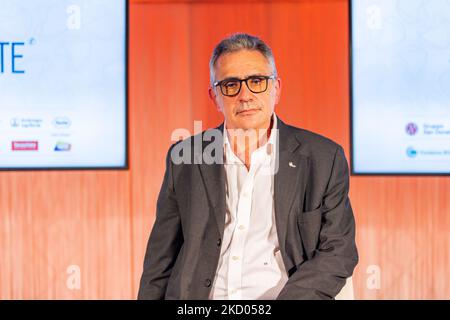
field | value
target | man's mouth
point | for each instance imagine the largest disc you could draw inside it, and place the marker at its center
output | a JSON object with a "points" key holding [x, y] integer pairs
{"points": [[248, 111]]}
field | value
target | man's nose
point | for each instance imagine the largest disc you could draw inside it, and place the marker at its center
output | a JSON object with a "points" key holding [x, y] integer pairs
{"points": [[245, 94]]}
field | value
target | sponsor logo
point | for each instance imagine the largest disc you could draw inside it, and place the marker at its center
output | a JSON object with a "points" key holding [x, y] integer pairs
{"points": [[411, 128], [62, 122], [411, 152], [25, 145], [15, 122], [435, 129], [26, 122], [62, 146]]}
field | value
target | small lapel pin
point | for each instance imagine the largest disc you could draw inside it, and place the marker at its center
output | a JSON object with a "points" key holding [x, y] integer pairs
{"points": [[292, 165]]}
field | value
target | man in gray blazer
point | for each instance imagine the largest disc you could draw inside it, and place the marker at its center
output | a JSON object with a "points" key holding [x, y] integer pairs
{"points": [[255, 208]]}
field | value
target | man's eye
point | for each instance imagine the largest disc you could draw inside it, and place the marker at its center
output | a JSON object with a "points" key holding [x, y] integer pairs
{"points": [[230, 84], [256, 81]]}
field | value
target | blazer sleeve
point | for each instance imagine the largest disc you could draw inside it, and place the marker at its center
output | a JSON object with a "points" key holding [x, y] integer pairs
{"points": [[165, 240], [324, 275]]}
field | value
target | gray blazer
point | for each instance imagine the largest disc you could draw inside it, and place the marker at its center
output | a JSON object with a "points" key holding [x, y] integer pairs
{"points": [[314, 220]]}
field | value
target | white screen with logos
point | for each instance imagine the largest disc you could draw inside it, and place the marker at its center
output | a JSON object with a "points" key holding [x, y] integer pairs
{"points": [[400, 86], [63, 84]]}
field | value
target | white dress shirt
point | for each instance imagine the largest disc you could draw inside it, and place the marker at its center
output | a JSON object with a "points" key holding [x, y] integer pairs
{"points": [[250, 264]]}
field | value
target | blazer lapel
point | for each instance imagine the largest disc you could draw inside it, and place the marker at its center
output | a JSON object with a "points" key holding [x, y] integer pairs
{"points": [[290, 180], [213, 176]]}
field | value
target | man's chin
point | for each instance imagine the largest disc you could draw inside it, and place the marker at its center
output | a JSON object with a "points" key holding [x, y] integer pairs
{"points": [[248, 123]]}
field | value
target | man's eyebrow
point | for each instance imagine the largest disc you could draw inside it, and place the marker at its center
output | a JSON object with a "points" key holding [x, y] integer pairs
{"points": [[230, 78], [247, 76]]}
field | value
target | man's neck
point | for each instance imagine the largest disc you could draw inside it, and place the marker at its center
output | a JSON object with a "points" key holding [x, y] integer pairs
{"points": [[245, 142]]}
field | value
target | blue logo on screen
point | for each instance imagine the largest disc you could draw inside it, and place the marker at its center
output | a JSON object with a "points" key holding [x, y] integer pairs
{"points": [[411, 152], [11, 52], [63, 146]]}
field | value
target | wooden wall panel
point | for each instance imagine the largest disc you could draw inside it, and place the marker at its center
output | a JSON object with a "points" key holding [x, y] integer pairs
{"points": [[100, 220], [403, 225], [53, 220], [160, 102]]}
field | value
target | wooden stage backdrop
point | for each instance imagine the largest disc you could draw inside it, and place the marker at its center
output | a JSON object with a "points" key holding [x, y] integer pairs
{"points": [[82, 234]]}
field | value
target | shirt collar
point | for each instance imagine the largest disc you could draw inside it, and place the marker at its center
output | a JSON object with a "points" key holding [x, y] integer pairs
{"points": [[270, 145]]}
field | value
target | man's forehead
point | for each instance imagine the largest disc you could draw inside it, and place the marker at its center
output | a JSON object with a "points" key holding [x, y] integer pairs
{"points": [[242, 63]]}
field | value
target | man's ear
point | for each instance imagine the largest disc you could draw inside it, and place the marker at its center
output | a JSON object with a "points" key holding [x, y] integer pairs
{"points": [[213, 97], [278, 90]]}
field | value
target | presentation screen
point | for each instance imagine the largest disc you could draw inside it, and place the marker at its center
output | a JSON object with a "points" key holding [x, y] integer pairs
{"points": [[400, 85], [63, 84]]}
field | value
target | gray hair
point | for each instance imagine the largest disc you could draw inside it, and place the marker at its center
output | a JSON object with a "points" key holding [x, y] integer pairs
{"points": [[237, 42]]}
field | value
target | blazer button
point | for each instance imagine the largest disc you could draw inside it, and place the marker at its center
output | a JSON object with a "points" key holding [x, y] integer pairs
{"points": [[208, 283], [219, 242]]}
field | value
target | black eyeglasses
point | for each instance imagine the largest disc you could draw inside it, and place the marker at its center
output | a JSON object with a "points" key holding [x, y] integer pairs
{"points": [[232, 86]]}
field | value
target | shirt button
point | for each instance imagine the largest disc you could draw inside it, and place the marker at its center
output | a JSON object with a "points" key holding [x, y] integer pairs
{"points": [[235, 258], [241, 227], [207, 283], [219, 242]]}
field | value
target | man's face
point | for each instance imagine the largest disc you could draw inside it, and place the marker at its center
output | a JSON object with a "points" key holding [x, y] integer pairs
{"points": [[246, 110]]}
